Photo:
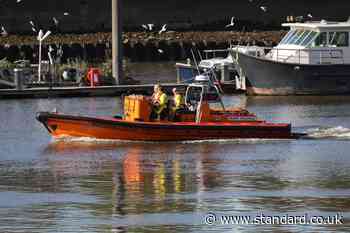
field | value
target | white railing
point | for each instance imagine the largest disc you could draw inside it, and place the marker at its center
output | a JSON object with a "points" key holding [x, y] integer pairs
{"points": [[307, 56], [300, 56], [211, 53]]}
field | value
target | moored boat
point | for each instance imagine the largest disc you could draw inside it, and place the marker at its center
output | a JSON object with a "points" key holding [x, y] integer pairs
{"points": [[312, 59], [220, 62]]}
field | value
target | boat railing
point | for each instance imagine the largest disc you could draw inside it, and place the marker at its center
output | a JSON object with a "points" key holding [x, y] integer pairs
{"points": [[307, 56], [301, 56], [212, 53]]}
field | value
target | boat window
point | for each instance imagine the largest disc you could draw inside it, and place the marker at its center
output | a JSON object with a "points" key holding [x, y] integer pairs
{"points": [[287, 36], [321, 40], [302, 37], [296, 37], [193, 95], [291, 37], [339, 39], [309, 38]]}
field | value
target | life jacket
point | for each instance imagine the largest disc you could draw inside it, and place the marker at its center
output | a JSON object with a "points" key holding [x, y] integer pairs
{"points": [[163, 102], [179, 101], [156, 96]]}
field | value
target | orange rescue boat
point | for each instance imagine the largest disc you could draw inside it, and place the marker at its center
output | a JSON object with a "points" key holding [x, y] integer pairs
{"points": [[202, 123]]}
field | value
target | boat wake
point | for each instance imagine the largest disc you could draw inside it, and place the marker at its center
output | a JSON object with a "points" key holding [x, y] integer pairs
{"points": [[88, 140], [84, 140], [338, 132], [236, 141]]}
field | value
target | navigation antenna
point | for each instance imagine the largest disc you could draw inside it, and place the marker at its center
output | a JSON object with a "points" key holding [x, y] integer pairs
{"points": [[199, 54]]}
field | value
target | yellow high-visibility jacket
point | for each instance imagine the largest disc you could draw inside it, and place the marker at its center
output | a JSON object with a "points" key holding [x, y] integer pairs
{"points": [[163, 102], [179, 101]]}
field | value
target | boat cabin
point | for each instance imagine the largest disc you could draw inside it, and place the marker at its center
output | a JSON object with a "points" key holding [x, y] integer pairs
{"points": [[322, 42]]}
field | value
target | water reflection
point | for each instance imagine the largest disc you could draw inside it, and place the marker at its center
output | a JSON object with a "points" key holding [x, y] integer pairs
{"points": [[110, 186], [130, 180]]}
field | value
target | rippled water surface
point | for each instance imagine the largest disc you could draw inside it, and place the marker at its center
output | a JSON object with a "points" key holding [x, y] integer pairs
{"points": [[86, 185]]}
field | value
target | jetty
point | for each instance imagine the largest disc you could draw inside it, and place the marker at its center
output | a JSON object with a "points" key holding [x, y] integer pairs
{"points": [[117, 90]]}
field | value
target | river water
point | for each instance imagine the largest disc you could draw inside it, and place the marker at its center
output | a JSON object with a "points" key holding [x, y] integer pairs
{"points": [[86, 185]]}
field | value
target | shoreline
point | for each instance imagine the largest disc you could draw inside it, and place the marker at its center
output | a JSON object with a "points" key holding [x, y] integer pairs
{"points": [[191, 36], [137, 46]]}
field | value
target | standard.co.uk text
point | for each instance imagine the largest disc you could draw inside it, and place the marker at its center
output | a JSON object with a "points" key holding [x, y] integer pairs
{"points": [[263, 219]]}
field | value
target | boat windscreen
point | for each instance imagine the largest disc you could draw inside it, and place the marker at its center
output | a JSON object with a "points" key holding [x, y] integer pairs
{"points": [[193, 95], [287, 36], [312, 35], [302, 37], [295, 38], [290, 37]]}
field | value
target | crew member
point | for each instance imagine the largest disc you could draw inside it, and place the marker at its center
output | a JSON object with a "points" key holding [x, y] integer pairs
{"points": [[179, 104], [156, 94], [178, 100], [159, 103]]}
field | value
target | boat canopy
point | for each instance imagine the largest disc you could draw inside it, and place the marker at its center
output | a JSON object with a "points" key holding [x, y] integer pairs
{"points": [[322, 25], [317, 34]]}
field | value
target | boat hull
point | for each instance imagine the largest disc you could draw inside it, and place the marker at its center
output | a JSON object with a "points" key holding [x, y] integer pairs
{"points": [[267, 77], [60, 125]]}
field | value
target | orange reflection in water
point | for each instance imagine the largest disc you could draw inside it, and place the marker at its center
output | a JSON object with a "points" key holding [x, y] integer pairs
{"points": [[131, 166]]}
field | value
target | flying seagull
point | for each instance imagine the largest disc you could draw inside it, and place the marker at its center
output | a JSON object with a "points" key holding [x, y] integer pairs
{"points": [[232, 23], [65, 13], [163, 29], [160, 51], [144, 26], [263, 8], [3, 32], [55, 21], [309, 15], [150, 26], [33, 26]]}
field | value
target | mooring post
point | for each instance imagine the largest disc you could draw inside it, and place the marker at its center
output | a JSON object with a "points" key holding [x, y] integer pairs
{"points": [[18, 78], [117, 31]]}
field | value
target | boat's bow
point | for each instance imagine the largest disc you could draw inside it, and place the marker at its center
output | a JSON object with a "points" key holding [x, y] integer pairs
{"points": [[43, 117]]}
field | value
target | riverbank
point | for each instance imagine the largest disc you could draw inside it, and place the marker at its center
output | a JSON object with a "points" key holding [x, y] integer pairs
{"points": [[138, 46], [268, 37]]}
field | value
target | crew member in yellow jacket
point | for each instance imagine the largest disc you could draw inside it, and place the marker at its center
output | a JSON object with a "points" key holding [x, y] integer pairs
{"points": [[178, 104], [159, 103]]}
